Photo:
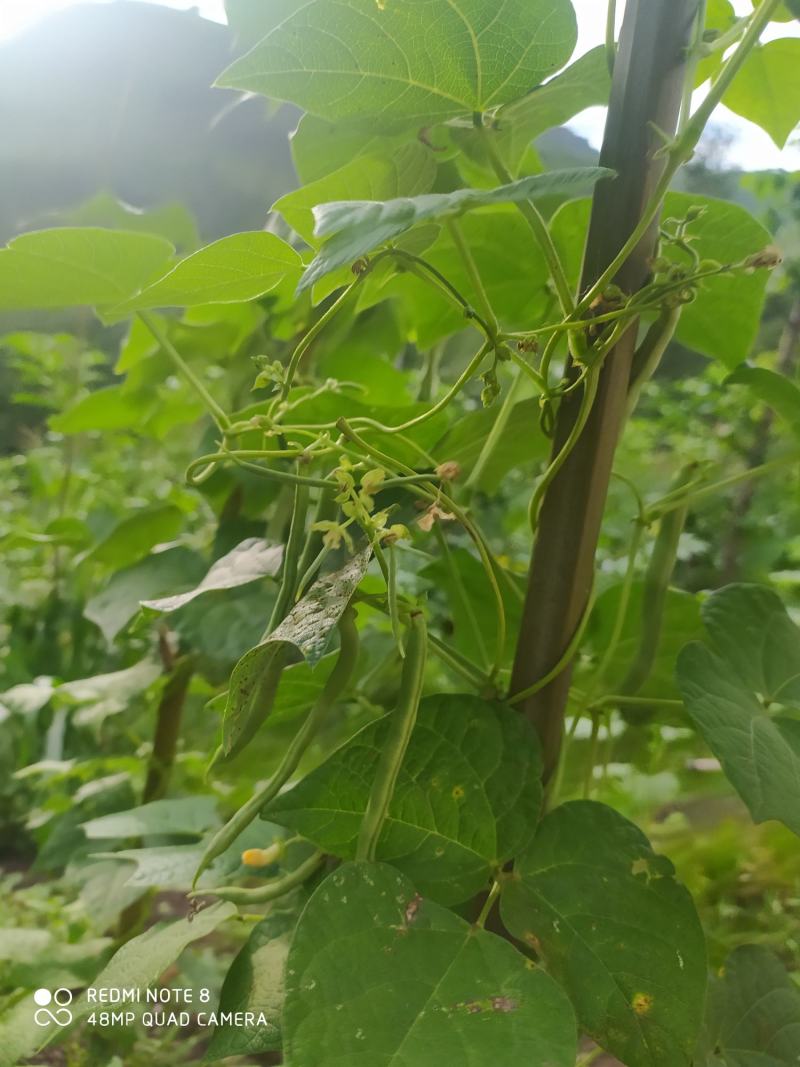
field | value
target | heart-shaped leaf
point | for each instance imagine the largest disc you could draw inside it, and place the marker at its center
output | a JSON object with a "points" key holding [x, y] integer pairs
{"points": [[753, 662], [254, 983], [466, 799], [767, 88], [420, 61], [377, 975], [616, 929], [241, 267], [755, 1016], [355, 227], [77, 266]]}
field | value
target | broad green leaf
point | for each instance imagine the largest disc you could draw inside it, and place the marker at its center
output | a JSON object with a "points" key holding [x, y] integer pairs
{"points": [[616, 930], [241, 267], [728, 689], [378, 975], [758, 1009], [320, 147], [185, 816], [306, 631], [138, 964], [407, 172], [421, 61], [249, 561], [775, 390], [64, 267], [767, 88], [136, 534], [118, 601], [586, 83], [254, 983], [466, 799], [723, 321], [353, 228], [785, 12], [460, 586], [112, 408], [172, 221]]}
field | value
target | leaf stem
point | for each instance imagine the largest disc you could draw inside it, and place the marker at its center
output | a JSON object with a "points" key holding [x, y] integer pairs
{"points": [[535, 221], [213, 408], [465, 252]]}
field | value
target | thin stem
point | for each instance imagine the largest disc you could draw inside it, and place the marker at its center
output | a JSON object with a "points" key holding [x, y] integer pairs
{"points": [[216, 412], [678, 498], [213, 458], [535, 221], [453, 391], [498, 429], [589, 394], [614, 700], [312, 334], [593, 748], [488, 904], [428, 273], [401, 726], [563, 662], [465, 252]]}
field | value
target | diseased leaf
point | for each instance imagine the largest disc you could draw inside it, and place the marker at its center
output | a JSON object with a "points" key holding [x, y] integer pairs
{"points": [[378, 975], [616, 929], [465, 802], [65, 267], [247, 562], [241, 267], [407, 172], [353, 228], [723, 321], [421, 61], [776, 390], [767, 88], [758, 1011], [728, 689], [185, 815], [254, 983], [305, 630]]}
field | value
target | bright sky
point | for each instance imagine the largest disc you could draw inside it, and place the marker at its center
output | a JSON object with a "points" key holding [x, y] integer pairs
{"points": [[751, 149]]}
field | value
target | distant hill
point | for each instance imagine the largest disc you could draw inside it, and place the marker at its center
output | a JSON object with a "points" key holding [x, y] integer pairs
{"points": [[118, 97]]}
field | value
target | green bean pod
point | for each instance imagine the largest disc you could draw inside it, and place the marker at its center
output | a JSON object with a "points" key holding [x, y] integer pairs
{"points": [[401, 727], [337, 682]]}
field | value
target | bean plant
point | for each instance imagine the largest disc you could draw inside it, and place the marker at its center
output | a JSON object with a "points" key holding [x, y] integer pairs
{"points": [[402, 495]]}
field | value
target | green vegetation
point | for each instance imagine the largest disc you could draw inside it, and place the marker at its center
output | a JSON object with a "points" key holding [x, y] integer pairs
{"points": [[389, 592]]}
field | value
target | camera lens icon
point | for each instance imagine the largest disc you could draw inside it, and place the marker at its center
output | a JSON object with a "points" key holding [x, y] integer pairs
{"points": [[61, 1016]]}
